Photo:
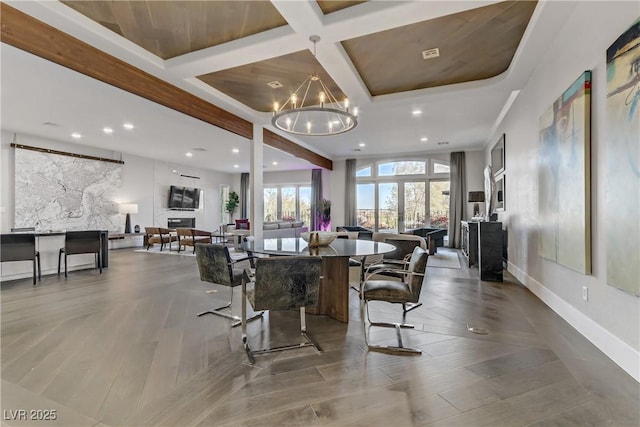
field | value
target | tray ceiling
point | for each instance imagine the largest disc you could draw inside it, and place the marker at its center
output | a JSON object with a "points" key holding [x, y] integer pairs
{"points": [[475, 44]]}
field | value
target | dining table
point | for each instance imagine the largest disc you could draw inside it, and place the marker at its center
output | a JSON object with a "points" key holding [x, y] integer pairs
{"points": [[333, 297]]}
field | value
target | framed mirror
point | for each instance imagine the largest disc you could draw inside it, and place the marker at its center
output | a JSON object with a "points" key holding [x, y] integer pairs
{"points": [[497, 156], [500, 193]]}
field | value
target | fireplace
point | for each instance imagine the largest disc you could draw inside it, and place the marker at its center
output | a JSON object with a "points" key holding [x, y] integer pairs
{"points": [[181, 223]]}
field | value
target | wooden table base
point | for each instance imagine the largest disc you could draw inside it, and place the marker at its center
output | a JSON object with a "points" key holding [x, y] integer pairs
{"points": [[333, 299]]}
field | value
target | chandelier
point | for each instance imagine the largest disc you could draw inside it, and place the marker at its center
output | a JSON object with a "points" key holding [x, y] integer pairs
{"points": [[301, 115]]}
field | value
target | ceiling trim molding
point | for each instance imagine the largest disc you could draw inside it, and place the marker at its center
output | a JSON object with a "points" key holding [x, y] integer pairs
{"points": [[280, 143], [31, 35]]}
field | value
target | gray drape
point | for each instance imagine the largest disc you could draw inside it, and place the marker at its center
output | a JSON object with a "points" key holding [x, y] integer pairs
{"points": [[457, 194], [244, 195], [316, 198], [350, 208]]}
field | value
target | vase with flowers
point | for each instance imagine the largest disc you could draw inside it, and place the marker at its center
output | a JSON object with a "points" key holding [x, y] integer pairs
{"points": [[325, 215]]}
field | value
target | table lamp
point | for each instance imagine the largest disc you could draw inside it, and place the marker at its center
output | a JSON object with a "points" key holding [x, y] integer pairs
{"points": [[128, 208], [476, 197]]}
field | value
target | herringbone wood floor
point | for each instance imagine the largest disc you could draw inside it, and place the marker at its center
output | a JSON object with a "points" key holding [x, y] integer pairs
{"points": [[125, 349]]}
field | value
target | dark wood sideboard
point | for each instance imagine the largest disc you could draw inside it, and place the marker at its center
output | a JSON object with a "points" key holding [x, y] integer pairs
{"points": [[482, 245]]}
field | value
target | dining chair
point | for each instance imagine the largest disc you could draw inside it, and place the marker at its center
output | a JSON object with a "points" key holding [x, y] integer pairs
{"points": [[216, 266], [81, 242], [405, 291], [282, 283], [20, 247], [393, 263]]}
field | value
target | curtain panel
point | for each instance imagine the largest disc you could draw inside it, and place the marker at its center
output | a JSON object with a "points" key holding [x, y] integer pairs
{"points": [[351, 213], [316, 199], [458, 190], [244, 195]]}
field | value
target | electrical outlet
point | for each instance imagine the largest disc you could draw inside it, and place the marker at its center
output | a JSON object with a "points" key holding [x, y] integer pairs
{"points": [[585, 293]]}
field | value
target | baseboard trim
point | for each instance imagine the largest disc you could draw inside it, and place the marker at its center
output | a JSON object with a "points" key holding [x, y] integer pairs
{"points": [[617, 350]]}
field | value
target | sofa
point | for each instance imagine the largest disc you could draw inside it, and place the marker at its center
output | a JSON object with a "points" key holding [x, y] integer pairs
{"points": [[271, 230], [363, 233]]}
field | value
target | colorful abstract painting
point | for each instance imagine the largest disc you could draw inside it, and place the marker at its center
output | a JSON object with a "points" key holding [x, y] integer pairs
{"points": [[564, 175], [622, 195]]}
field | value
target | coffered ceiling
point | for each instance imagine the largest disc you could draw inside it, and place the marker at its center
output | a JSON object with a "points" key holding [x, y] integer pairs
{"points": [[226, 52]]}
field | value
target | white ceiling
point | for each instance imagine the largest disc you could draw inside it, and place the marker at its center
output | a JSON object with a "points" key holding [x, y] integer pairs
{"points": [[466, 115]]}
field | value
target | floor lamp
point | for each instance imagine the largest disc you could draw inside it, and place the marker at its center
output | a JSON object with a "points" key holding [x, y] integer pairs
{"points": [[128, 209]]}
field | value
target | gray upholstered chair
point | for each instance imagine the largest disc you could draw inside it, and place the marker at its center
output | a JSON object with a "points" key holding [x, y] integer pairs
{"points": [[402, 292], [81, 242], [20, 247], [282, 283], [216, 266], [395, 260]]}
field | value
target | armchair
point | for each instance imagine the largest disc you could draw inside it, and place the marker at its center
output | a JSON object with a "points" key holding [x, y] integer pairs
{"points": [[398, 292], [162, 236], [216, 266]]}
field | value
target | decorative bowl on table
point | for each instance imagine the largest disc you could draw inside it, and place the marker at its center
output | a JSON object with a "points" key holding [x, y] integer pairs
{"points": [[324, 237]]}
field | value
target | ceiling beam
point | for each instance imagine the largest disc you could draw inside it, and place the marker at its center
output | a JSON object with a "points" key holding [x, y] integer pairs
{"points": [[31, 35], [280, 143], [38, 38]]}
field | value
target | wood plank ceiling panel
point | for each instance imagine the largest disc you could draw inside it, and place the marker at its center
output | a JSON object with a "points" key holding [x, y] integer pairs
{"points": [[173, 28], [474, 45], [329, 6], [248, 83]]}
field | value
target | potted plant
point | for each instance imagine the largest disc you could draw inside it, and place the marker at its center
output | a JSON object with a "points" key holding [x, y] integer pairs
{"points": [[232, 204], [325, 215]]}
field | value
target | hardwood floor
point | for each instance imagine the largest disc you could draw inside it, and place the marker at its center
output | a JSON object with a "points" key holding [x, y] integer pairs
{"points": [[125, 348]]}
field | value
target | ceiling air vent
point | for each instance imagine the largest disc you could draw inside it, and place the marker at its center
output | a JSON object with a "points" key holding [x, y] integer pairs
{"points": [[431, 53], [51, 124], [443, 143], [357, 149], [274, 84], [199, 149]]}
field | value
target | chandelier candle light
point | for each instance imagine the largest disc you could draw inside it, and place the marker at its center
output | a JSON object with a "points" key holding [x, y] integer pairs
{"points": [[301, 116]]}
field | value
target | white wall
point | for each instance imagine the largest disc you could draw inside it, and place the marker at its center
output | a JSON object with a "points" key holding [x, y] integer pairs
{"points": [[287, 177], [610, 318], [144, 181]]}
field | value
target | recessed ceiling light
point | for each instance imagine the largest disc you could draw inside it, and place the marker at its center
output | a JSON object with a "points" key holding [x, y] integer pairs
{"points": [[188, 154], [76, 135], [362, 144], [107, 130], [128, 126], [416, 112], [235, 150], [236, 166], [274, 163], [174, 171], [424, 139]]}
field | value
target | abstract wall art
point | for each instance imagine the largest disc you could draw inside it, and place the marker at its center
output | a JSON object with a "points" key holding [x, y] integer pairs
{"points": [[564, 178], [622, 168]]}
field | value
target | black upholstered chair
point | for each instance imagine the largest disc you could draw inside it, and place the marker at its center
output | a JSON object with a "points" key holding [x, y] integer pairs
{"points": [[402, 292], [282, 283], [81, 242], [216, 266], [20, 247]]}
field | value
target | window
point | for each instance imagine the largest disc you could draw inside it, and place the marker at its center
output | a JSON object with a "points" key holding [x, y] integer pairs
{"points": [[270, 204], [402, 168], [287, 203], [403, 195]]}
